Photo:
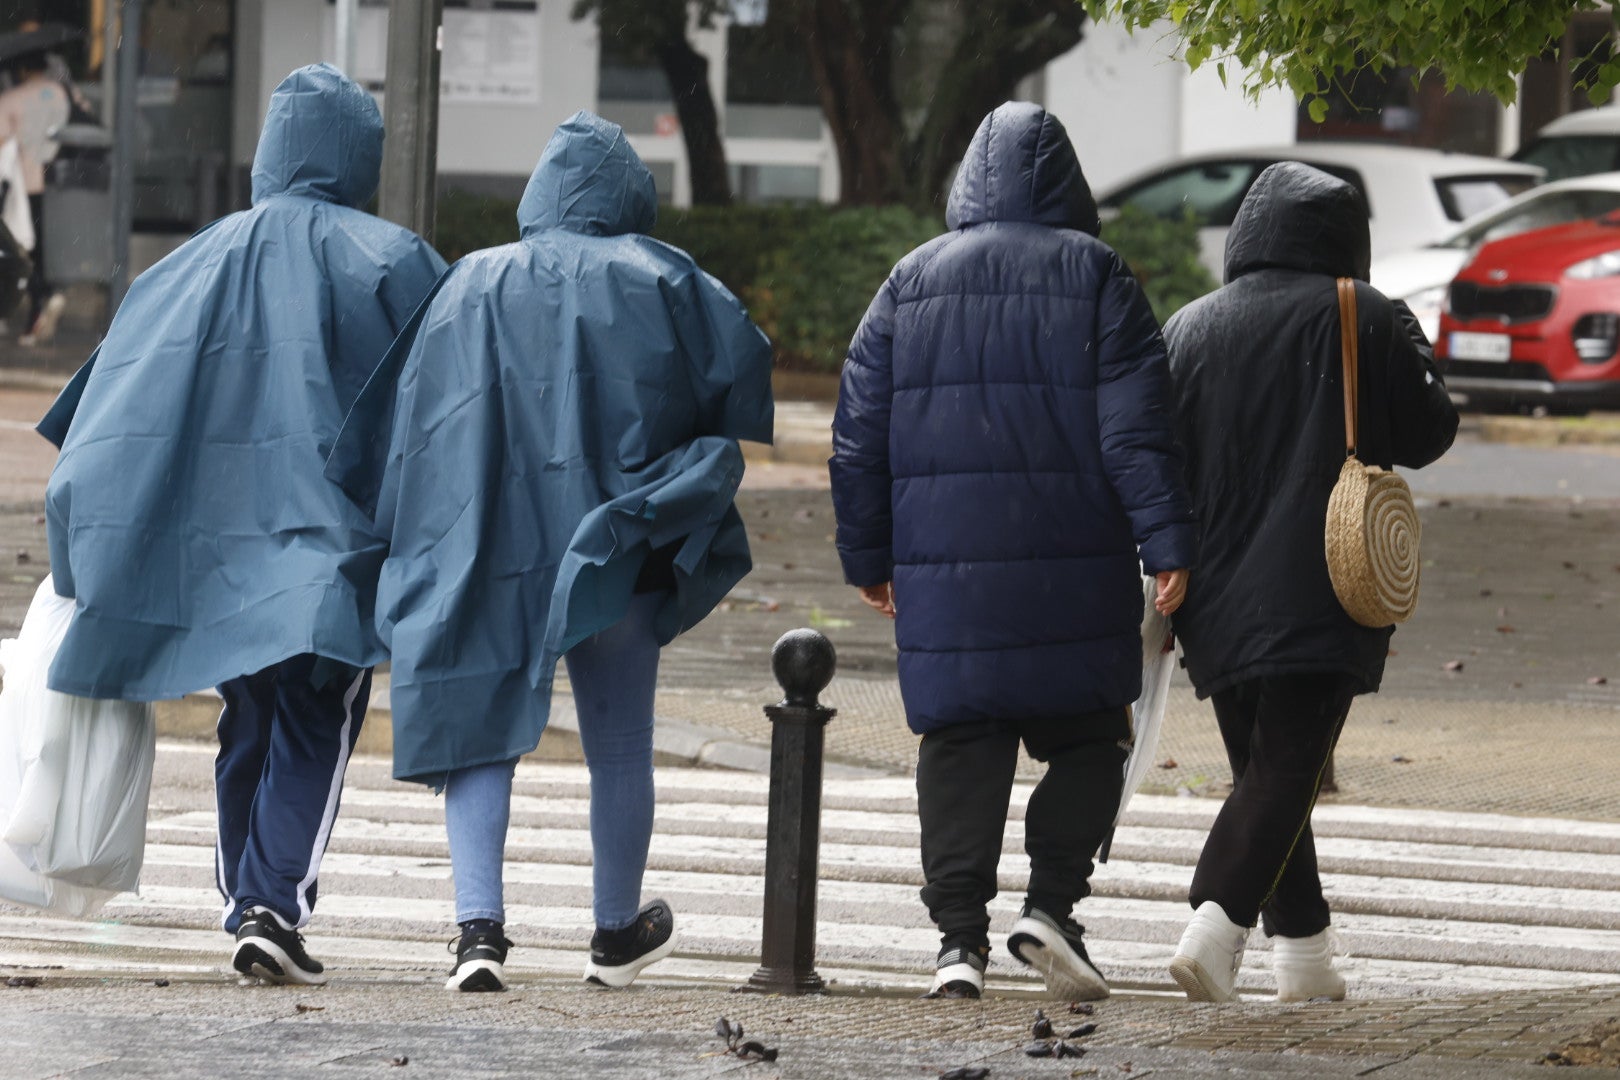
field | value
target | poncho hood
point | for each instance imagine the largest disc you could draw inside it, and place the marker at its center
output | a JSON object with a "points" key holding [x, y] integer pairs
{"points": [[589, 181], [1021, 166], [1299, 218], [322, 139]]}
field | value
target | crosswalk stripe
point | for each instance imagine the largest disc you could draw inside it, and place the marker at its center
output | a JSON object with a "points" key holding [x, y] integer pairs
{"points": [[1440, 902]]}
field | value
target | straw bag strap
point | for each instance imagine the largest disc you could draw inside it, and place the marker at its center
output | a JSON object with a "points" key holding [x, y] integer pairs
{"points": [[1349, 347]]}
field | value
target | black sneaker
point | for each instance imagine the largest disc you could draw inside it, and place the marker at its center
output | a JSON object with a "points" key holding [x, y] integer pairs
{"points": [[1056, 950], [480, 958], [267, 950], [617, 956], [959, 972]]}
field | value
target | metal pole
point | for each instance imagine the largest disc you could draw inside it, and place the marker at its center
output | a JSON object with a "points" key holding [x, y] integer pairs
{"points": [[109, 62], [411, 115], [346, 14], [804, 662], [123, 179]]}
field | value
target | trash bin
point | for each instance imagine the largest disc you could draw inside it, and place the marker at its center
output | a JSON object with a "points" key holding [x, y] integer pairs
{"points": [[78, 208]]}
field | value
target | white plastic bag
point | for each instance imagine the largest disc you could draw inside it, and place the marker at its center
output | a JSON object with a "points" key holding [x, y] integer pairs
{"points": [[75, 774], [1147, 715]]}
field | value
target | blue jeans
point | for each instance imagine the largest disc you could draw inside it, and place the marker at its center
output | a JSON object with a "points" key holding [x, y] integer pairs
{"points": [[614, 675]]}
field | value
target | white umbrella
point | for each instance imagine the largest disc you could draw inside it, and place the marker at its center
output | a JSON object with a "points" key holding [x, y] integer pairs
{"points": [[1147, 715]]}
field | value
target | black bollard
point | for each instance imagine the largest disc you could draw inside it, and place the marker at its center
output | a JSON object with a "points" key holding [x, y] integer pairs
{"points": [[804, 662]]}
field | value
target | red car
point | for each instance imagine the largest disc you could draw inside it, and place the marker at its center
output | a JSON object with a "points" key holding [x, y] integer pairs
{"points": [[1534, 320]]}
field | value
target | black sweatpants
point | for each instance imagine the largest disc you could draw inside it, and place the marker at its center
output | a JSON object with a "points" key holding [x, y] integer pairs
{"points": [[964, 781], [1260, 858], [39, 290]]}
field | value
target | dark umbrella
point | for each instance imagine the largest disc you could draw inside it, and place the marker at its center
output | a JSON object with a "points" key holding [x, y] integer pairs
{"points": [[47, 37]]}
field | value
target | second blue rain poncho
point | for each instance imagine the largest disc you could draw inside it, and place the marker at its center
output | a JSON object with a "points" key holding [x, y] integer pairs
{"points": [[188, 513], [565, 406]]}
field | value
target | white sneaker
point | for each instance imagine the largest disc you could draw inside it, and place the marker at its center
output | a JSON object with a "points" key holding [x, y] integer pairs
{"points": [[43, 332], [1210, 953], [1304, 968]]}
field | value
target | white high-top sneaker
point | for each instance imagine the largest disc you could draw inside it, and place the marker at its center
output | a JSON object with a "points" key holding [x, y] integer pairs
{"points": [[1210, 953], [1304, 968]]}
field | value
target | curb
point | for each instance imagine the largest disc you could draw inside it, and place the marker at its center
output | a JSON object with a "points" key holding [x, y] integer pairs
{"points": [[790, 449], [675, 742], [33, 379], [1549, 431]]}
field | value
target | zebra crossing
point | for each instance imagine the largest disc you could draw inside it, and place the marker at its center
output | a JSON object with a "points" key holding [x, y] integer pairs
{"points": [[1425, 902]]}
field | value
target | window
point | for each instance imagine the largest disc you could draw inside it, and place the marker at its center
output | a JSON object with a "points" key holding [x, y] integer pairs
{"points": [[775, 183], [1564, 156], [1464, 196], [626, 74], [1554, 208], [1211, 191]]}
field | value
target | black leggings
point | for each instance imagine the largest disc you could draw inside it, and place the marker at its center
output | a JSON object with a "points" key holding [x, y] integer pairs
{"points": [[1260, 858], [964, 781]]}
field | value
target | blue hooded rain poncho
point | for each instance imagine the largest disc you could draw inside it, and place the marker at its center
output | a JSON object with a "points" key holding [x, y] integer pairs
{"points": [[188, 514], [565, 406]]}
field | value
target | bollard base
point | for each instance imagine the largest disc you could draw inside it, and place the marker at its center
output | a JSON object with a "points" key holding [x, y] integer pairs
{"points": [[776, 981]]}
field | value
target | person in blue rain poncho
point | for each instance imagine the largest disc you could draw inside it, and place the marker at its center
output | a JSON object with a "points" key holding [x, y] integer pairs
{"points": [[188, 515], [552, 452]]}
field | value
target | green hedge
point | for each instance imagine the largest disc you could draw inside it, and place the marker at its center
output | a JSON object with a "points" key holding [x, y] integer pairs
{"points": [[1163, 253], [808, 272]]}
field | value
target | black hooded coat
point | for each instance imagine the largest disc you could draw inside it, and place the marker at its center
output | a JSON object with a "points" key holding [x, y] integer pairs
{"points": [[1257, 378]]}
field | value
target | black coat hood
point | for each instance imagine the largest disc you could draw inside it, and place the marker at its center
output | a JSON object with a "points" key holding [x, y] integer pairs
{"points": [[1021, 166], [1299, 218]]}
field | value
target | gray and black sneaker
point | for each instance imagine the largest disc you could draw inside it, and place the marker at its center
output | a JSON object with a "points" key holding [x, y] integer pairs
{"points": [[617, 956], [1057, 951], [480, 957], [959, 972], [267, 950]]}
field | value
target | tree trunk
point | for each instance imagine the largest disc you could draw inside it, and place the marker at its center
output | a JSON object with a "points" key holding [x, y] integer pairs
{"points": [[688, 74], [851, 57], [1000, 45]]}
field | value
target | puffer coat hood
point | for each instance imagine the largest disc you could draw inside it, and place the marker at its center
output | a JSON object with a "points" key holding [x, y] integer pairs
{"points": [[1003, 450], [589, 181], [322, 139], [1021, 166], [1299, 218]]}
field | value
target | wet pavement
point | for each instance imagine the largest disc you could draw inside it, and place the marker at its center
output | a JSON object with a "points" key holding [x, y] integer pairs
{"points": [[126, 1027]]}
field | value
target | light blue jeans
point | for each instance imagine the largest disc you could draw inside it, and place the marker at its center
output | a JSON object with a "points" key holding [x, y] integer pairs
{"points": [[614, 675]]}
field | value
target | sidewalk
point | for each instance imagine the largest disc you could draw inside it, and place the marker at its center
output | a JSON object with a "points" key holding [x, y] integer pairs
{"points": [[92, 1028]]}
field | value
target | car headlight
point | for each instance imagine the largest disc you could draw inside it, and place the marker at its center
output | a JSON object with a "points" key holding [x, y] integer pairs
{"points": [[1605, 265], [1427, 304]]}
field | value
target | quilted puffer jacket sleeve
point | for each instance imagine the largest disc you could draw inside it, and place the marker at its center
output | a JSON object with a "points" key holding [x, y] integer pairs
{"points": [[861, 480], [1139, 449]]}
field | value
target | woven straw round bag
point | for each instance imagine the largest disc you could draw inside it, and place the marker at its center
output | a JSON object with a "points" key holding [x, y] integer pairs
{"points": [[1372, 524]]}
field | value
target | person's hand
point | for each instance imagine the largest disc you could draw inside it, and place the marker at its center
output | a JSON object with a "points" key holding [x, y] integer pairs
{"points": [[880, 598], [1172, 591]]}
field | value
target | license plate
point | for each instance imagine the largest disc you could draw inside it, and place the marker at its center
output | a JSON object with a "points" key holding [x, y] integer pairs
{"points": [[1492, 347]]}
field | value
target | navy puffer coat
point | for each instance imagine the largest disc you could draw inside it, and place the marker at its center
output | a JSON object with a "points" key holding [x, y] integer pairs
{"points": [[1003, 446]]}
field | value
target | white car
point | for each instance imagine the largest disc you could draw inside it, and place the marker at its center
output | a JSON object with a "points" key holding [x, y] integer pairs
{"points": [[1414, 197], [1422, 275], [1579, 144]]}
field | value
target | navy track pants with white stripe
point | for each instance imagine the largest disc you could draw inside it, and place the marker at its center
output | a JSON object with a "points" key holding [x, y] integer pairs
{"points": [[284, 744]]}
